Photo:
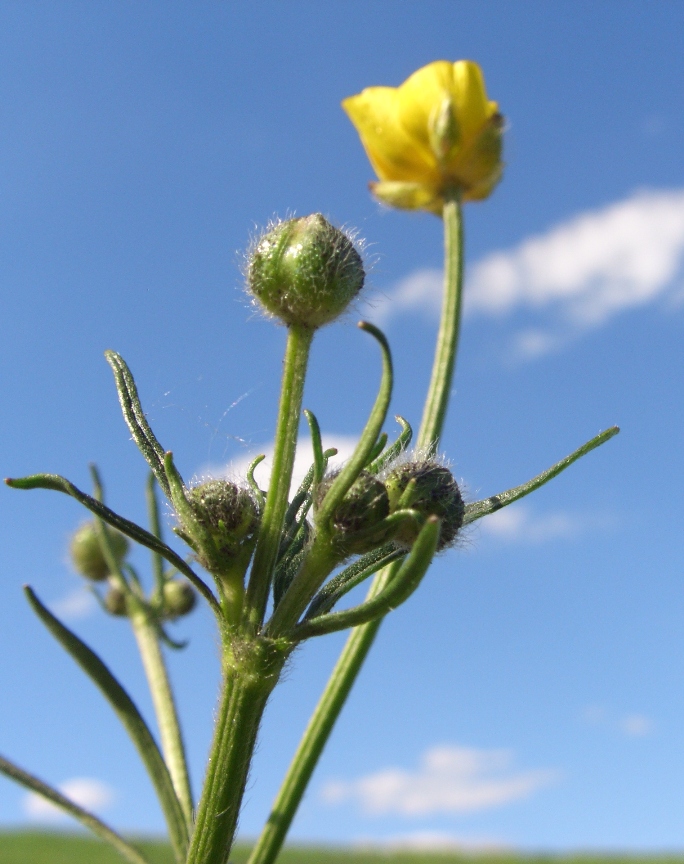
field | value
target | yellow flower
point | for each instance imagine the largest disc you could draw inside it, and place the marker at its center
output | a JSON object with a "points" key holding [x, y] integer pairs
{"points": [[435, 135]]}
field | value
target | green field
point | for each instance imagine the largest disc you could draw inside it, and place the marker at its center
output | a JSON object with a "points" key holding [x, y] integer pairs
{"points": [[23, 847]]}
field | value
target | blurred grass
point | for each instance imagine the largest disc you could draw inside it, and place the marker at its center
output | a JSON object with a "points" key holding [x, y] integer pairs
{"points": [[32, 847]]}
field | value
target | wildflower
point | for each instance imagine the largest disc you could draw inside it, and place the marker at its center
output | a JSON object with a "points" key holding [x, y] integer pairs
{"points": [[435, 136]]}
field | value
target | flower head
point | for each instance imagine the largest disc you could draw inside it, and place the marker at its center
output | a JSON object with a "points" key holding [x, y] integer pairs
{"points": [[437, 134]]}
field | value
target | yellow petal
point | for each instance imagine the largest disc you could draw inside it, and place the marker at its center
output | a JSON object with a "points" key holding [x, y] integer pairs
{"points": [[420, 97], [470, 97], [392, 153]]}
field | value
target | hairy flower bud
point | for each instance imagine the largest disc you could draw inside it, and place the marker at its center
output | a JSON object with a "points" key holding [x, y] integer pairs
{"points": [[363, 508], [115, 602], [86, 552], [435, 493], [227, 511], [179, 598], [305, 272]]}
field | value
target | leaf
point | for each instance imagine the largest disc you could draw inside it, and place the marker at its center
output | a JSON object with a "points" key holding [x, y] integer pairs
{"points": [[478, 509], [97, 826], [397, 592], [129, 716], [130, 529], [135, 418]]}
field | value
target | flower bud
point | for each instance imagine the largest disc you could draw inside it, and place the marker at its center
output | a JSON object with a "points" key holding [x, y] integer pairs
{"points": [[305, 272], [86, 552], [364, 507], [227, 512], [115, 602], [179, 598], [435, 493]]}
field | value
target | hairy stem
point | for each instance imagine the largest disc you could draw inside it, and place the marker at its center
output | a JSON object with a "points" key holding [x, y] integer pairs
{"points": [[361, 638], [247, 685], [289, 410], [165, 708]]}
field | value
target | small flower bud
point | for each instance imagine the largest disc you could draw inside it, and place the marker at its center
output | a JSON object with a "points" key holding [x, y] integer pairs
{"points": [[363, 508], [179, 598], [115, 602], [305, 272], [227, 511], [86, 552], [435, 493]]}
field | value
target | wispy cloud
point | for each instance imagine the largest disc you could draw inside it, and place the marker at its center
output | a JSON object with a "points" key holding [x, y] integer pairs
{"points": [[575, 276], [237, 468], [432, 841], [78, 603], [519, 524], [91, 794], [633, 725], [448, 780]]}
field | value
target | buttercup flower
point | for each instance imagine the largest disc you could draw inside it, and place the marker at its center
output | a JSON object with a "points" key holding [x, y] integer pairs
{"points": [[435, 135]]}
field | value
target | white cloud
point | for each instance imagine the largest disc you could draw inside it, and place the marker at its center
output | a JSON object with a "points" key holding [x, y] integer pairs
{"points": [[517, 523], [578, 274], [78, 603], [90, 794], [636, 725], [631, 725], [238, 468], [432, 841], [448, 780]]}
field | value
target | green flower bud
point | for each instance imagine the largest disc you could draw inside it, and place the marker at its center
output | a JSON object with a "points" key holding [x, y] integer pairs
{"points": [[227, 511], [86, 552], [363, 508], [304, 271], [435, 493], [115, 602], [179, 598]]}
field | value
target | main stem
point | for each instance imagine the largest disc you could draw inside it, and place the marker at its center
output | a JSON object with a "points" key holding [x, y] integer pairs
{"points": [[289, 410], [165, 709], [247, 684], [361, 638]]}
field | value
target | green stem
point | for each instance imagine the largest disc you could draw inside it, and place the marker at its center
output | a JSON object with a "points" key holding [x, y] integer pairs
{"points": [[317, 732], [289, 410], [361, 638], [434, 412], [247, 686], [165, 708]]}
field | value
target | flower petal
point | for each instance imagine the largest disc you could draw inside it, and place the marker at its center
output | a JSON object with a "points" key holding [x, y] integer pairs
{"points": [[420, 97], [392, 153], [470, 96]]}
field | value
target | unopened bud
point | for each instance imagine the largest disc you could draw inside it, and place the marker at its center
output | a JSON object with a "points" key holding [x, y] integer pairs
{"points": [[179, 598], [362, 509], [115, 602], [86, 551], [227, 511], [305, 271], [435, 493]]}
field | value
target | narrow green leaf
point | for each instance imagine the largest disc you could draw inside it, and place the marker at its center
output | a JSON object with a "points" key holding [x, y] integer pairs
{"points": [[344, 480], [60, 484], [97, 826], [377, 450], [135, 418], [333, 591], [253, 485], [397, 592], [129, 716], [317, 446], [478, 509], [394, 449]]}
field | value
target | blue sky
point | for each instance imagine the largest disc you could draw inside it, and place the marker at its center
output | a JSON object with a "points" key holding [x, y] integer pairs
{"points": [[530, 694]]}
